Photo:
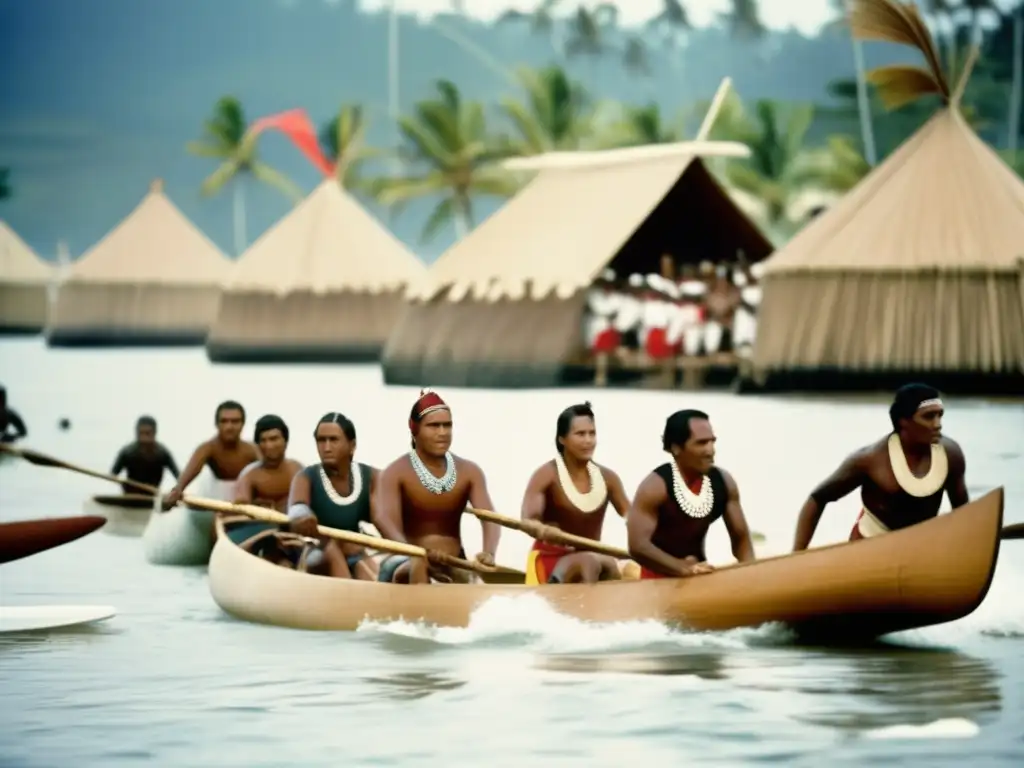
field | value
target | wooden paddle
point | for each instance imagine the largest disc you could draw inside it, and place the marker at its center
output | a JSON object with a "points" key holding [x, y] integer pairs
{"points": [[553, 535], [271, 516]]}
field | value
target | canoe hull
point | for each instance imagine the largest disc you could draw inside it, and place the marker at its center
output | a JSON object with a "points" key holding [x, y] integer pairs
{"points": [[35, 618], [24, 538], [935, 572], [125, 515], [179, 536]]}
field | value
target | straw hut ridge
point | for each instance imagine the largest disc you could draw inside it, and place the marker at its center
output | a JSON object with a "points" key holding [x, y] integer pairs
{"points": [[504, 306], [323, 284], [153, 279], [916, 271], [24, 283]]}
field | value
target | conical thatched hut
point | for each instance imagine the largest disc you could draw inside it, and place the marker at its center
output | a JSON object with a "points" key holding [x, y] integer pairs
{"points": [[915, 272], [24, 282], [154, 279], [504, 306], [323, 284]]}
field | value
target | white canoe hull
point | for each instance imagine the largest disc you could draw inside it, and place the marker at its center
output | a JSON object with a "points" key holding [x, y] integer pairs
{"points": [[123, 519], [33, 618], [184, 536]]}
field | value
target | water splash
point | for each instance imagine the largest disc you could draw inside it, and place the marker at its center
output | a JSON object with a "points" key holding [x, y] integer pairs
{"points": [[948, 728]]}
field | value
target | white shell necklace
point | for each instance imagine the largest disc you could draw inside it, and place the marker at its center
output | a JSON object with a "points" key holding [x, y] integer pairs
{"points": [[433, 484], [355, 486], [695, 505], [919, 487], [584, 502]]}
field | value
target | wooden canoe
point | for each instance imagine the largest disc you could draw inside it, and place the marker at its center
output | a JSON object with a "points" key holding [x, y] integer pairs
{"points": [[24, 538], [931, 573], [126, 515]]}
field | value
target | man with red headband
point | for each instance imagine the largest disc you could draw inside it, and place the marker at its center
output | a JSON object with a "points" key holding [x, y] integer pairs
{"points": [[423, 494], [902, 477]]}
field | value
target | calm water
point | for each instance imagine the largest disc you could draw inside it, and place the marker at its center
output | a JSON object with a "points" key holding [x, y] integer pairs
{"points": [[172, 681]]}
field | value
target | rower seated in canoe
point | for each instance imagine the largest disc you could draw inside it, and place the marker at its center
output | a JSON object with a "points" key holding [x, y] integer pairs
{"points": [[338, 492], [423, 495], [145, 459], [571, 493], [902, 477], [678, 502], [268, 481]]}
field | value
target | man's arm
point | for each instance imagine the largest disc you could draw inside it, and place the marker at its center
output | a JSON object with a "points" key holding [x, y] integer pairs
{"points": [[119, 463], [616, 492], [479, 498], [192, 469], [243, 489], [736, 521], [15, 421], [956, 480], [845, 480], [171, 464], [387, 509], [535, 496], [642, 522], [374, 484]]}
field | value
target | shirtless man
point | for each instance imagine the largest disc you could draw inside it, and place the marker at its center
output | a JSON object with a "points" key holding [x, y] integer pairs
{"points": [[571, 493], [12, 428], [423, 494], [145, 460], [266, 482], [226, 454], [901, 477], [339, 492], [677, 503]]}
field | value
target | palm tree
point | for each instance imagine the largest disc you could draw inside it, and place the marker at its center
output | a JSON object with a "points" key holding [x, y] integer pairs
{"points": [[449, 152], [1017, 89], [5, 183], [225, 138], [556, 113], [867, 131], [841, 166], [640, 125], [744, 20], [674, 23], [541, 21], [343, 140], [779, 166]]}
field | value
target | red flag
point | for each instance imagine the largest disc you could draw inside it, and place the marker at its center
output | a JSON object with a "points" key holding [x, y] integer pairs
{"points": [[296, 125]]}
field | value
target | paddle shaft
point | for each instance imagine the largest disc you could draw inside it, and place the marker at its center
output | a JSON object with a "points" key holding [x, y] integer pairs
{"points": [[270, 516], [553, 535]]}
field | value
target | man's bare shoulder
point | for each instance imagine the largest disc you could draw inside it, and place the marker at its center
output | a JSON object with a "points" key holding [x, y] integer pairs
{"points": [[951, 445], [610, 475], [397, 467], [467, 467], [652, 488], [545, 472], [293, 465], [727, 478]]}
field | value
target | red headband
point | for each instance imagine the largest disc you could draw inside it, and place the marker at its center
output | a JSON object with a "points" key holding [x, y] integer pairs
{"points": [[428, 403]]}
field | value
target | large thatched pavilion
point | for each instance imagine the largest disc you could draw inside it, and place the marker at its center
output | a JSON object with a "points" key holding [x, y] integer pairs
{"points": [[916, 273], [324, 284], [24, 282], [504, 306], [153, 280]]}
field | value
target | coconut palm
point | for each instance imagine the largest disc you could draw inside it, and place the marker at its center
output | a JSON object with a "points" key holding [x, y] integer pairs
{"points": [[5, 184], [541, 21], [840, 165], [226, 139], [744, 20], [673, 23], [1017, 89], [448, 153], [555, 113], [867, 131], [645, 124], [343, 140]]}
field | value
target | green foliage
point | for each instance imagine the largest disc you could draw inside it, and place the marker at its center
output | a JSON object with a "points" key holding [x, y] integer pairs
{"points": [[5, 183]]}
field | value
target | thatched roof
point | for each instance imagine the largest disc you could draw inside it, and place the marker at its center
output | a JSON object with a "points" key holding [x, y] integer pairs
{"points": [[568, 224], [327, 244], [324, 283], [155, 243], [503, 306], [154, 278], [24, 281], [917, 269]]}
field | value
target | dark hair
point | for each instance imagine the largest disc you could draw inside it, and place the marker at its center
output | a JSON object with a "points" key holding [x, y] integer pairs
{"points": [[907, 400], [347, 427], [228, 405], [269, 423], [565, 418], [146, 421], [677, 428]]}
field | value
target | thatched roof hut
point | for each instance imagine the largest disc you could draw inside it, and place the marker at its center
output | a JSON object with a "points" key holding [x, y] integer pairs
{"points": [[24, 282], [323, 284], [504, 306], [916, 271], [154, 279]]}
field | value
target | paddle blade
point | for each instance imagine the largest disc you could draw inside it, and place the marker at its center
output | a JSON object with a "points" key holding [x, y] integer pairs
{"points": [[32, 457], [1011, 532], [24, 538]]}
